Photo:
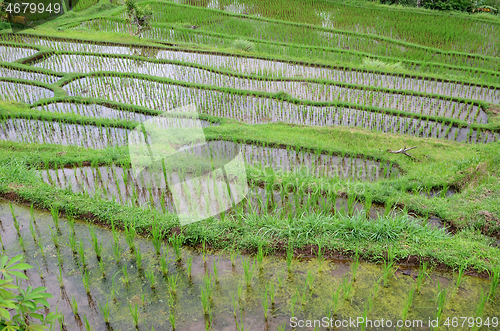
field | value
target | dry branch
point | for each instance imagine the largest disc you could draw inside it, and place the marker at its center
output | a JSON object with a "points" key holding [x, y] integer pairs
{"points": [[403, 150]]}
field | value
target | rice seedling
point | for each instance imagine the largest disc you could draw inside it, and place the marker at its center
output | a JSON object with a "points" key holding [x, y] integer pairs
{"points": [[265, 303], [40, 246], [164, 266], [130, 236], [138, 258], [60, 278], [102, 267], [216, 272], [260, 256], [240, 293], [204, 252], [481, 304], [293, 302], [495, 279], [233, 256], [280, 279], [55, 217], [320, 257], [134, 312], [248, 270], [172, 284], [87, 324], [21, 243], [32, 214], [113, 287], [72, 243], [71, 222], [81, 254], [105, 311], [421, 276], [151, 277], [96, 245], [234, 301], [117, 249], [272, 293], [55, 238], [176, 242], [460, 277], [309, 281], [289, 256], [440, 300], [74, 306], [32, 230], [189, 264], [14, 219], [388, 268], [86, 282], [125, 278], [354, 268], [171, 317], [157, 238], [346, 287], [408, 303], [205, 300]]}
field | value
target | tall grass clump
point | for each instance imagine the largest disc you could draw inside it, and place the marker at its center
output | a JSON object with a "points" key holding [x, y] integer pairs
{"points": [[243, 45], [379, 64]]}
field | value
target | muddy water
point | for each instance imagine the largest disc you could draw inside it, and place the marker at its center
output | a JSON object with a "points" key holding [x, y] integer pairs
{"points": [[256, 110], [301, 90], [291, 287], [23, 92], [30, 75]]}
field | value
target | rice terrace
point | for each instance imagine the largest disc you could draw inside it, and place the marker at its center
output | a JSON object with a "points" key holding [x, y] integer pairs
{"points": [[249, 165]]}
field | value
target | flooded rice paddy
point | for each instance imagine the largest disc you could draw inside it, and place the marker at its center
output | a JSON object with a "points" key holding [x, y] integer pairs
{"points": [[258, 110], [43, 132], [29, 75], [168, 292], [276, 68], [87, 136], [301, 90], [150, 188], [11, 54], [23, 92], [101, 111]]}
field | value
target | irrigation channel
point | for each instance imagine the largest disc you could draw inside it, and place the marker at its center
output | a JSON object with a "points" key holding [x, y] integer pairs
{"points": [[111, 283]]}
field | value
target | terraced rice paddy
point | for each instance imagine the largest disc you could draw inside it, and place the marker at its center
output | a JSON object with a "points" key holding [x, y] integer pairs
{"points": [[11, 54], [23, 91], [334, 160]]}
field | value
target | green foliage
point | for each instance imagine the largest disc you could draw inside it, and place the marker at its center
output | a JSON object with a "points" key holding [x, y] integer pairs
{"points": [[19, 307], [243, 45], [459, 5], [138, 16], [378, 64], [84, 4]]}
